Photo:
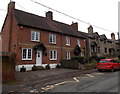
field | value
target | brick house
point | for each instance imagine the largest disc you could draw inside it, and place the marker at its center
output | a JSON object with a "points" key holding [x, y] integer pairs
{"points": [[40, 40]]}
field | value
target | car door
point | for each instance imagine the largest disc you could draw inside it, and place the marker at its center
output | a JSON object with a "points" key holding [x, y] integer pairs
{"points": [[118, 64], [114, 64]]}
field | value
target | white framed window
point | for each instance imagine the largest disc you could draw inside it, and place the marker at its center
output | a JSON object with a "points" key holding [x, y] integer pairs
{"points": [[78, 42], [26, 54], [52, 38], [68, 41], [67, 55], [53, 55], [35, 36], [82, 54]]}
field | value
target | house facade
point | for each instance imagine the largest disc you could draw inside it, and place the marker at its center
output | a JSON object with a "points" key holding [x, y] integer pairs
{"points": [[100, 45], [40, 40]]}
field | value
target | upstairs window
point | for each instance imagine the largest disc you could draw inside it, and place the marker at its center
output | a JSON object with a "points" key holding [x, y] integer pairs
{"points": [[78, 42], [67, 55], [68, 41], [52, 38], [26, 54], [35, 36]]}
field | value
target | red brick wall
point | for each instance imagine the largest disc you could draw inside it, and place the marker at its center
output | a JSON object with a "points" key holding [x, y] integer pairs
{"points": [[5, 34], [44, 38]]}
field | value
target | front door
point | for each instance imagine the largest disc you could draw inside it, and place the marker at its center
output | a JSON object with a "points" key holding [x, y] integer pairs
{"points": [[39, 58]]}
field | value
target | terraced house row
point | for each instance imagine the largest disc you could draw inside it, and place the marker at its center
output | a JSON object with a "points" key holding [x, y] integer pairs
{"points": [[40, 40]]}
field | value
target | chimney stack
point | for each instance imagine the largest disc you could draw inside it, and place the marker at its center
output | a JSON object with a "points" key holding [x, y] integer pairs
{"points": [[75, 25], [112, 36], [11, 6], [90, 29], [49, 15]]}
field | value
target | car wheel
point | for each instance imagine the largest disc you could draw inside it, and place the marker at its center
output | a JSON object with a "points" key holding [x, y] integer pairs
{"points": [[100, 70], [112, 69]]}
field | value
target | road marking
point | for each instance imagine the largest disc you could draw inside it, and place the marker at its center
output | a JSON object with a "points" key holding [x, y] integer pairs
{"points": [[53, 86], [89, 75], [76, 79], [34, 90]]}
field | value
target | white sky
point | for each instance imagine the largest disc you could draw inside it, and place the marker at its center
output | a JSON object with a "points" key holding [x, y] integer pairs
{"points": [[102, 13]]}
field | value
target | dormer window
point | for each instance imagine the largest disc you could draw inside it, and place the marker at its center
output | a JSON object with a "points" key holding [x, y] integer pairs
{"points": [[68, 41], [35, 36]]}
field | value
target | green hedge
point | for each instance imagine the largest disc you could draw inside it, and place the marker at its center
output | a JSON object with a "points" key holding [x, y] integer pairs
{"points": [[72, 64], [80, 59]]}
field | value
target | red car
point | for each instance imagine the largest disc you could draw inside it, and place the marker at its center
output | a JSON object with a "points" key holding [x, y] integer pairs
{"points": [[108, 64]]}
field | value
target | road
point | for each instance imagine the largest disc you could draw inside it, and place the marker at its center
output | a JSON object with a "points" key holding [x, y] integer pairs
{"points": [[94, 82]]}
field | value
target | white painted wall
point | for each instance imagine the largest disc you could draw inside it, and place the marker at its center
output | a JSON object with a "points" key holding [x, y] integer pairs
{"points": [[29, 67]]}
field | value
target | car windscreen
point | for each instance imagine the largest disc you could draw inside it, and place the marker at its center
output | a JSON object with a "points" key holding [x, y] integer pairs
{"points": [[103, 61]]}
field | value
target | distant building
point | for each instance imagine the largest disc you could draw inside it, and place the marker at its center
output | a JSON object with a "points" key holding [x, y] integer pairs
{"points": [[99, 45]]}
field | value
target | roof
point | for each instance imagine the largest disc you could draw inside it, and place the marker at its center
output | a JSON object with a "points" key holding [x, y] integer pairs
{"points": [[38, 22], [103, 36], [96, 35], [87, 35]]}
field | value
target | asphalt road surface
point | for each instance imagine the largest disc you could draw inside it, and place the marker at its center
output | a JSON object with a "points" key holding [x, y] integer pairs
{"points": [[94, 82]]}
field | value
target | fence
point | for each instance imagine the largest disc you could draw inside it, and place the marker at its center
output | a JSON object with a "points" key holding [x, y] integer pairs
{"points": [[7, 61]]}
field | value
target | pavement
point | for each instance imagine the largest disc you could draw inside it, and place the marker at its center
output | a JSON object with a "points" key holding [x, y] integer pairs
{"points": [[26, 81]]}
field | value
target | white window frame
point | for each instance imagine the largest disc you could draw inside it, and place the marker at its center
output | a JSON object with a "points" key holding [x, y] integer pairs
{"points": [[67, 55], [68, 41], [82, 54], [53, 36], [34, 38], [26, 54], [78, 43], [53, 58]]}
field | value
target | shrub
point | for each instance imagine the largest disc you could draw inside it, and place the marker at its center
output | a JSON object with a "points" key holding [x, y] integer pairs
{"points": [[22, 69], [79, 58], [47, 66], [34, 68], [95, 58], [91, 65], [72, 64], [58, 66]]}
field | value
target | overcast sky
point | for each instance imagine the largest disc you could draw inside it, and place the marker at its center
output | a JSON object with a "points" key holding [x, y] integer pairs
{"points": [[102, 13]]}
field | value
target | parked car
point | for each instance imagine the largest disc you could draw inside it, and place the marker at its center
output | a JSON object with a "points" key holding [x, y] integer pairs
{"points": [[108, 64]]}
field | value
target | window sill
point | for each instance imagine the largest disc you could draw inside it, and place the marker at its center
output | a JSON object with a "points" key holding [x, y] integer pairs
{"points": [[53, 59], [35, 41], [52, 43], [26, 59], [67, 44]]}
